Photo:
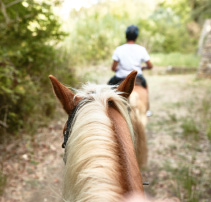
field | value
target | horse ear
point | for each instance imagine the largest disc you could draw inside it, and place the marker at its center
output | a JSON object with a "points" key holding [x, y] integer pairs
{"points": [[65, 95], [127, 85]]}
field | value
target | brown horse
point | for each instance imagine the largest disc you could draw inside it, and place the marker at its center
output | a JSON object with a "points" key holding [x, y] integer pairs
{"points": [[100, 161], [139, 105]]}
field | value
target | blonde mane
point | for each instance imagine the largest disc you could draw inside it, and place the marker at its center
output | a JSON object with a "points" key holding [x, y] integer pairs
{"points": [[93, 166]]}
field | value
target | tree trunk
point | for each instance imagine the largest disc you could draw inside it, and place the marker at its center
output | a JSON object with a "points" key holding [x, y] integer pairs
{"points": [[204, 69]]}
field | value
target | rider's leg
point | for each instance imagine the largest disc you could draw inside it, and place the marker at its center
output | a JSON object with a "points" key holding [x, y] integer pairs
{"points": [[115, 80]]}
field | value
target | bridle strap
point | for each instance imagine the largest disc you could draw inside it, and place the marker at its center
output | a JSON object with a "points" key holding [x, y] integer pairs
{"points": [[69, 124], [70, 119]]}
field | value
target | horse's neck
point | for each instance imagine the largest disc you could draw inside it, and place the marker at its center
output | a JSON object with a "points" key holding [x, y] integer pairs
{"points": [[93, 171], [132, 177], [101, 164]]}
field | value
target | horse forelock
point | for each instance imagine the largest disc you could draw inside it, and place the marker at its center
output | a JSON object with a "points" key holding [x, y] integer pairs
{"points": [[93, 168]]}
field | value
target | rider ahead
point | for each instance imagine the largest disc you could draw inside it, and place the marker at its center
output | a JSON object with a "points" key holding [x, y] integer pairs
{"points": [[129, 57]]}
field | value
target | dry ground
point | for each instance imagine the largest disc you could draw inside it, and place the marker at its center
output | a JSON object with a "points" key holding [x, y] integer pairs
{"points": [[179, 138], [178, 133]]}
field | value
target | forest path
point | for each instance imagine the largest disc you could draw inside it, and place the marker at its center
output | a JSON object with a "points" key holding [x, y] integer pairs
{"points": [[34, 165]]}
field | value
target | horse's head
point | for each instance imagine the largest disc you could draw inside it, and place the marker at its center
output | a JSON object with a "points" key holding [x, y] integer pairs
{"points": [[100, 157], [69, 101]]}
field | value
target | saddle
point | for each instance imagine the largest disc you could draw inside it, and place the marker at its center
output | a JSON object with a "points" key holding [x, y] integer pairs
{"points": [[140, 80]]}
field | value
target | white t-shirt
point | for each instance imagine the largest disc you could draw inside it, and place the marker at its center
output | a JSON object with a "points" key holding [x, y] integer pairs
{"points": [[130, 57]]}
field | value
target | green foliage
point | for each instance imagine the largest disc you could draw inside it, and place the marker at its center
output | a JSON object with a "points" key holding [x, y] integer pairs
{"points": [[95, 32], [3, 181], [175, 59], [190, 129], [186, 182], [172, 117], [29, 34], [200, 9], [208, 131], [206, 115], [182, 8], [197, 10], [168, 33]]}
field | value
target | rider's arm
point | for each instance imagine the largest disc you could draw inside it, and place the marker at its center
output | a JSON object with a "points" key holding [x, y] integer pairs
{"points": [[114, 66], [148, 65]]}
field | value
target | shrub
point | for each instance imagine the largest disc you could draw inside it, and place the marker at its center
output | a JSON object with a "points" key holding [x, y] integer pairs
{"points": [[28, 48]]}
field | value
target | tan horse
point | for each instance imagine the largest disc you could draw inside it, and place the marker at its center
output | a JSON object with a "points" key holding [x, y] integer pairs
{"points": [[139, 105], [100, 161]]}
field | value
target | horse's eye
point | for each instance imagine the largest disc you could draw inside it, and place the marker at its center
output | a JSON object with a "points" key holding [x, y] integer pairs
{"points": [[110, 102]]}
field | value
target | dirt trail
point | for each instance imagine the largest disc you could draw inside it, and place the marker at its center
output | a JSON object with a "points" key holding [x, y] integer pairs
{"points": [[34, 166], [179, 149]]}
